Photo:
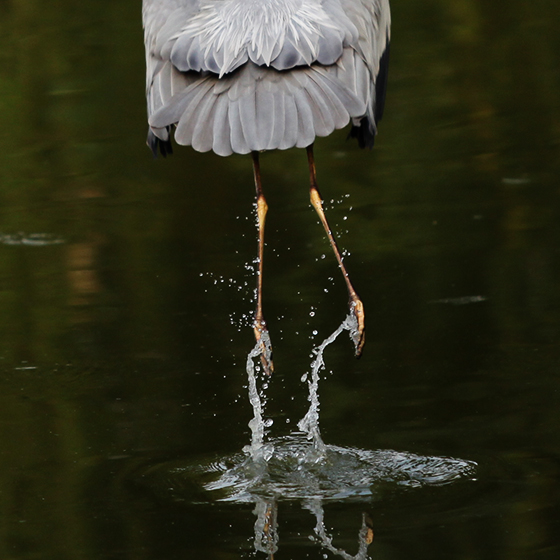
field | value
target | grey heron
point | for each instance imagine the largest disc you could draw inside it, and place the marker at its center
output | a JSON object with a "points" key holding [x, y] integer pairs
{"points": [[244, 76]]}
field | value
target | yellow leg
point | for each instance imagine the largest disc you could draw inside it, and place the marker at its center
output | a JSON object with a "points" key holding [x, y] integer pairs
{"points": [[259, 324], [355, 303]]}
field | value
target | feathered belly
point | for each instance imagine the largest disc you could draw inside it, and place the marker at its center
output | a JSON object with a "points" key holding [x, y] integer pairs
{"points": [[283, 34]]}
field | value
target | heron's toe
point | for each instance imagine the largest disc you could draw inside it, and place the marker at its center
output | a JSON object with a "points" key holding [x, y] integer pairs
{"points": [[263, 340], [358, 334]]}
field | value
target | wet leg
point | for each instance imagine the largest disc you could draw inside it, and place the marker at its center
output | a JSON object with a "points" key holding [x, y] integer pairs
{"points": [[355, 303], [259, 325]]}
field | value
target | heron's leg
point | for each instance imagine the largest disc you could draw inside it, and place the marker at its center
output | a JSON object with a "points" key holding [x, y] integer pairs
{"points": [[356, 305], [259, 324]]}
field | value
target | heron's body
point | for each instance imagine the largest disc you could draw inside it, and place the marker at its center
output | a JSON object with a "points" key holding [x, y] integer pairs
{"points": [[240, 76], [237, 76]]}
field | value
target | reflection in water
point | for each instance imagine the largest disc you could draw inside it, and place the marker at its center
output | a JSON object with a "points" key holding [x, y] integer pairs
{"points": [[32, 239], [365, 536], [266, 530], [291, 470], [266, 527], [465, 300]]}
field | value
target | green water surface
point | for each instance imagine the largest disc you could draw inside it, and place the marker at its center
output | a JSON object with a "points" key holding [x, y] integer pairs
{"points": [[126, 294]]}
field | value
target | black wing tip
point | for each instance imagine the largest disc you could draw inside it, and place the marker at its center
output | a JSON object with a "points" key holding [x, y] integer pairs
{"points": [[381, 83], [364, 134], [156, 144]]}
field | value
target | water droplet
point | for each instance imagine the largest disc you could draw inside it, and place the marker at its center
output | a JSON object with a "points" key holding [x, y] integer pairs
{"points": [[268, 422], [304, 378], [315, 333], [323, 256], [312, 313]]}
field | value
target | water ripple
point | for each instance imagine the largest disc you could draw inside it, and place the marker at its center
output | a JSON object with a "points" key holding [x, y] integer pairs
{"points": [[295, 472]]}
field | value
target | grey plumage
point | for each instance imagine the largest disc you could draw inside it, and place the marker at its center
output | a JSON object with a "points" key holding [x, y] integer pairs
{"points": [[236, 76]]}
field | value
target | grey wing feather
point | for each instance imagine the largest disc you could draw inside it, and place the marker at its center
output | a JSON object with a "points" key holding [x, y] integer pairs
{"points": [[203, 137], [306, 128], [278, 121], [187, 120], [264, 102], [237, 141], [290, 124], [248, 117], [221, 131], [163, 80], [275, 98], [372, 19], [306, 102], [336, 106]]}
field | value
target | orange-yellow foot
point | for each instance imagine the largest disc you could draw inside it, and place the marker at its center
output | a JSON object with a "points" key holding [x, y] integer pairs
{"points": [[263, 340], [359, 334]]}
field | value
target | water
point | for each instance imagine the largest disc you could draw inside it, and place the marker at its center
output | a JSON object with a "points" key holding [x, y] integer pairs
{"points": [[257, 451], [292, 472], [123, 355], [289, 473], [301, 466]]}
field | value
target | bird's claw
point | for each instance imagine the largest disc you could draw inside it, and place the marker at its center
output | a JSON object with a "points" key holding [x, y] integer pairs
{"points": [[263, 340], [358, 333]]}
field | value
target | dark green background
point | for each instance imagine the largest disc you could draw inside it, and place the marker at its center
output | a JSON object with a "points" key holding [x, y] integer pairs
{"points": [[124, 331]]}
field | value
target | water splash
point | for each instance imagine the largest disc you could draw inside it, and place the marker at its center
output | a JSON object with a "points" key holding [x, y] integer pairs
{"points": [[258, 451], [301, 465], [309, 424], [292, 472]]}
